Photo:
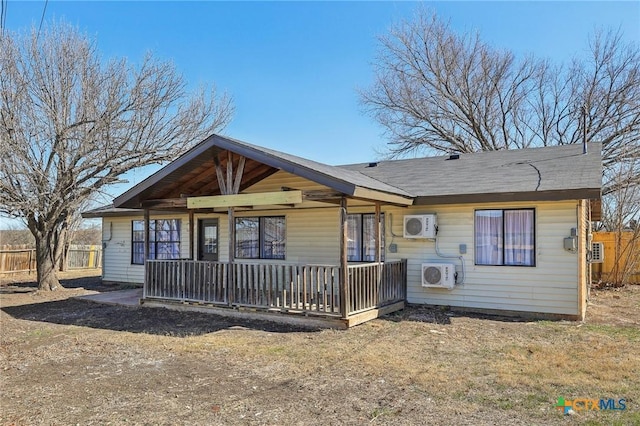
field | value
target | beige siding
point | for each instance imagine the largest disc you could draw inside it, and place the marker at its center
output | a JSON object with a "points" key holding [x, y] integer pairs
{"points": [[116, 235], [282, 179], [312, 233], [312, 236], [550, 287], [276, 181]]}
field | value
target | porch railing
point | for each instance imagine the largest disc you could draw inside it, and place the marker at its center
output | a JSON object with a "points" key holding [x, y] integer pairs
{"points": [[372, 285], [302, 288], [311, 288]]}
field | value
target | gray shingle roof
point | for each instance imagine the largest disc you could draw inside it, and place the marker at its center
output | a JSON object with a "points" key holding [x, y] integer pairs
{"points": [[299, 165], [559, 172], [536, 174]]}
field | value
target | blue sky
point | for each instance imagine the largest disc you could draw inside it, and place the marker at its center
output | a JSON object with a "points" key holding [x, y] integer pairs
{"points": [[293, 68]]}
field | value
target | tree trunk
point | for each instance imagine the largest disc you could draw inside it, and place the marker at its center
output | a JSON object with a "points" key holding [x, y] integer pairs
{"points": [[46, 266], [47, 254], [62, 249]]}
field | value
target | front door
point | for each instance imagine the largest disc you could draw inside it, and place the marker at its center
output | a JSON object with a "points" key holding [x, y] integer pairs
{"points": [[208, 240]]}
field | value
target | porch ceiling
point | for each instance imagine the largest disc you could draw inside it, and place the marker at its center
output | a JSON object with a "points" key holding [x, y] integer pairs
{"points": [[197, 178]]}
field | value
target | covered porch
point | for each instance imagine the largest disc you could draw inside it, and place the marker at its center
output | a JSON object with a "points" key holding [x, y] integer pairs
{"points": [[369, 290], [271, 202]]}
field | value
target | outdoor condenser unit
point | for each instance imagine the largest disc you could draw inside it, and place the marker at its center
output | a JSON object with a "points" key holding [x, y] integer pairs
{"points": [[419, 226], [438, 275]]}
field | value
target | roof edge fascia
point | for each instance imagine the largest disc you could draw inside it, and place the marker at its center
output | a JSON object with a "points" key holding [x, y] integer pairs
{"points": [[505, 197]]}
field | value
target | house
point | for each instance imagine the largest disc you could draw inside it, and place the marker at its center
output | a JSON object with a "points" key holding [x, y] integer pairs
{"points": [[234, 225]]}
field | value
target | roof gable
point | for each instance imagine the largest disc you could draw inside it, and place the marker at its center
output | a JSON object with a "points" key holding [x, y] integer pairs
{"points": [[193, 174]]}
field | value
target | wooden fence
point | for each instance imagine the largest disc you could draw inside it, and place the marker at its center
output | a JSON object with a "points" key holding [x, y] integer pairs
{"points": [[84, 257], [621, 258], [17, 259], [14, 259]]}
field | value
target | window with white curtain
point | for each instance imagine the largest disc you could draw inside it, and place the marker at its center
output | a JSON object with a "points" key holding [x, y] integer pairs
{"points": [[505, 237], [361, 237], [164, 240]]}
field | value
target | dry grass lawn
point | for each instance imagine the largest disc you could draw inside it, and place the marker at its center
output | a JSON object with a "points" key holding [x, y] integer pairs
{"points": [[66, 361]]}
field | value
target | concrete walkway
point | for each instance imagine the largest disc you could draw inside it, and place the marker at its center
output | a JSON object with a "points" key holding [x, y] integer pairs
{"points": [[121, 297]]}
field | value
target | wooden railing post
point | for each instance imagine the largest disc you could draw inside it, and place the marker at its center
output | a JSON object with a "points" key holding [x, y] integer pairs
{"points": [[182, 272], [147, 281], [404, 279]]}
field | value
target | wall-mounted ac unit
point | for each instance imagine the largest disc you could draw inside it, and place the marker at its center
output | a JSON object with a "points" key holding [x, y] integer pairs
{"points": [[419, 226], [438, 275], [597, 252]]}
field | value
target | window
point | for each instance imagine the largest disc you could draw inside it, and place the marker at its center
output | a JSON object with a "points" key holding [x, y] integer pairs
{"points": [[260, 237], [164, 240], [361, 235], [505, 237]]}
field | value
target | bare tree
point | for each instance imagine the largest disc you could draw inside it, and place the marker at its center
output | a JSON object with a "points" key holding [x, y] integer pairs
{"points": [[90, 235], [621, 215], [607, 85], [448, 92], [71, 123], [16, 236], [73, 223], [437, 90]]}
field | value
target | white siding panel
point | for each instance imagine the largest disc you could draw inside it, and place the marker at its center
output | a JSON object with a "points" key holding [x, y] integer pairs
{"points": [[549, 287]]}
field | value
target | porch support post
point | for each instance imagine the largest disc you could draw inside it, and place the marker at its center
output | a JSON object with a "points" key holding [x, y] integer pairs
{"points": [[378, 238], [378, 231], [229, 186], [344, 266], [232, 254], [146, 253], [146, 235], [191, 235]]}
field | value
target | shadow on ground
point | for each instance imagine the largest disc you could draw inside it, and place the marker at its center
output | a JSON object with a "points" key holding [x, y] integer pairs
{"points": [[26, 283], [159, 321], [156, 321], [442, 315]]}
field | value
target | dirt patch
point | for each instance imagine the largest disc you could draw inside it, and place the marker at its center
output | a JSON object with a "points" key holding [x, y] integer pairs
{"points": [[615, 306], [67, 361]]}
